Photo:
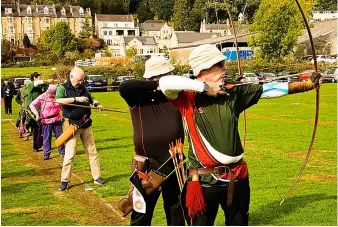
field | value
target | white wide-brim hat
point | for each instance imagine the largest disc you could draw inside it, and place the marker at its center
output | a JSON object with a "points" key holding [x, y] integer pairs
{"points": [[204, 57], [156, 66]]}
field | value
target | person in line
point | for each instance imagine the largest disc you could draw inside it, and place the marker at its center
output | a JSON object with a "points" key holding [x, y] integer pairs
{"points": [[50, 118], [23, 123], [35, 88], [73, 91], [217, 172], [7, 93], [156, 123]]}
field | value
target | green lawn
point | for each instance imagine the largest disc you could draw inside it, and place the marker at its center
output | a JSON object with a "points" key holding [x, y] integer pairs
{"points": [[11, 72], [278, 135]]}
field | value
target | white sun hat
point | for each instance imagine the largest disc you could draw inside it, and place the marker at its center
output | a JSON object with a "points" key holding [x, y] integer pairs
{"points": [[156, 66], [203, 57]]}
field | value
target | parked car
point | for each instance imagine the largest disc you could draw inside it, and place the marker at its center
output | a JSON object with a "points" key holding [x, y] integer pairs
{"points": [[116, 83], [306, 75], [306, 58], [18, 82], [287, 79], [331, 75], [189, 74], [251, 78], [95, 83], [266, 77], [325, 58]]}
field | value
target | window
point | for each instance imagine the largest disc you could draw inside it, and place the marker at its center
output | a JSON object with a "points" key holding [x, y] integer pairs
{"points": [[11, 29], [109, 42], [10, 20], [8, 10], [31, 40], [63, 11], [5, 30], [110, 33], [29, 10], [104, 32], [81, 11], [45, 10], [105, 25], [116, 25], [47, 21], [126, 25], [29, 20], [29, 30]]}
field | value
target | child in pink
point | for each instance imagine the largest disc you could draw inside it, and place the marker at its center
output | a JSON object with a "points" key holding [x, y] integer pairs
{"points": [[50, 118]]}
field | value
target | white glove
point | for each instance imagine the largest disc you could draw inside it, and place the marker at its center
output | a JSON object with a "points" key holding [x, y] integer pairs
{"points": [[99, 107], [37, 118], [83, 99]]}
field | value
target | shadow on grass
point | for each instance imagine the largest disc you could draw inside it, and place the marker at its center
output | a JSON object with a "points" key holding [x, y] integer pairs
{"points": [[21, 173], [99, 140], [269, 214], [118, 177], [107, 148]]}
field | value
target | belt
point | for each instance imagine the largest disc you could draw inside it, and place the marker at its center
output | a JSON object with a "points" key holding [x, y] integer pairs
{"points": [[218, 170]]}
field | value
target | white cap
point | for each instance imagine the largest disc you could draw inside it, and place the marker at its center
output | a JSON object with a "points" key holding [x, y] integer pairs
{"points": [[204, 57], [156, 66]]}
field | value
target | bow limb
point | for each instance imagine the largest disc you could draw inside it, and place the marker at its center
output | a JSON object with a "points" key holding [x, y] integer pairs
{"points": [[317, 108]]}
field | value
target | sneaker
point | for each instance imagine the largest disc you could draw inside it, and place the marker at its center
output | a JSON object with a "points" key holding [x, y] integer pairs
{"points": [[99, 181], [45, 157], [64, 186], [26, 139], [35, 150]]}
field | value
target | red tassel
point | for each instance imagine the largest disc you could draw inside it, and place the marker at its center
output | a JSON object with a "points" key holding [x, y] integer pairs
{"points": [[194, 199]]}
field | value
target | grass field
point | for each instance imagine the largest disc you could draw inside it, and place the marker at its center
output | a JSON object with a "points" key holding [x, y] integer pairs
{"points": [[10, 72], [278, 135]]}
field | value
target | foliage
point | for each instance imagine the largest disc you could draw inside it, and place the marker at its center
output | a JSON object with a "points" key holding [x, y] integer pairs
{"points": [[114, 7], [180, 16], [6, 53], [87, 30], [92, 43], [162, 8], [131, 53], [59, 39], [278, 25], [107, 51], [143, 12], [87, 54], [195, 18], [326, 5], [26, 42]]}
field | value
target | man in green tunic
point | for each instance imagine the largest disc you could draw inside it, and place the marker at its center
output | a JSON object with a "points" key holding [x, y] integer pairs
{"points": [[218, 173]]}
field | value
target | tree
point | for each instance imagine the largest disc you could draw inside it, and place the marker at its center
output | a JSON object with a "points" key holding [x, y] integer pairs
{"points": [[115, 7], [143, 12], [162, 8], [87, 30], [181, 12], [278, 24], [26, 41], [6, 53], [131, 53], [59, 39], [327, 5], [195, 18]]}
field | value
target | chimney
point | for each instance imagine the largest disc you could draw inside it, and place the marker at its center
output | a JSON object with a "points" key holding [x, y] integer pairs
{"points": [[18, 7], [53, 6], [36, 7], [71, 9], [89, 12]]}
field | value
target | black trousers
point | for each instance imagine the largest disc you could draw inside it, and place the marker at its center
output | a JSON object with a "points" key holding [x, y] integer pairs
{"points": [[37, 135], [8, 105], [235, 215], [172, 206]]}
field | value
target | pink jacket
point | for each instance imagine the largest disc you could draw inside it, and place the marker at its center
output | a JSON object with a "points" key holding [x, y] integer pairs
{"points": [[49, 111]]}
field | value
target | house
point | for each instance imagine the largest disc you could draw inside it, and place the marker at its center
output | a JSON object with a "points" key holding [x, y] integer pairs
{"points": [[20, 19], [143, 44], [156, 28], [180, 38], [223, 29], [111, 27]]}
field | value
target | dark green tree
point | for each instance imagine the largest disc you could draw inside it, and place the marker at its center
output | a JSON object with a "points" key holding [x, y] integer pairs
{"points": [[114, 7], [195, 18], [144, 13], [180, 16], [327, 5], [26, 42], [162, 8]]}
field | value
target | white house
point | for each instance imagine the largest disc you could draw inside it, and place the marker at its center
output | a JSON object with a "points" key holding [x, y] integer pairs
{"points": [[180, 38], [143, 44], [324, 15], [111, 28]]}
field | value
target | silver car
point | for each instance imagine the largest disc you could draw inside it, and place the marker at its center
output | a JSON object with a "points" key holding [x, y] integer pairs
{"points": [[330, 75], [251, 78]]}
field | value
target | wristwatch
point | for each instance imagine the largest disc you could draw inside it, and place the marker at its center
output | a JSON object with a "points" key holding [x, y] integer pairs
{"points": [[205, 88]]}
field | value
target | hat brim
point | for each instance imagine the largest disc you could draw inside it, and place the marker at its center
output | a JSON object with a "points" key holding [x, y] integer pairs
{"points": [[162, 71]]}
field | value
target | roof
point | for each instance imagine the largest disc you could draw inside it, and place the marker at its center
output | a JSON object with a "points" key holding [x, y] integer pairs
{"points": [[117, 18], [145, 40], [216, 26], [13, 7], [152, 25], [189, 37]]}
